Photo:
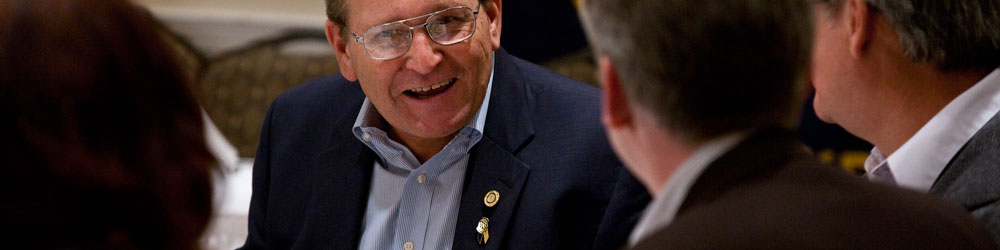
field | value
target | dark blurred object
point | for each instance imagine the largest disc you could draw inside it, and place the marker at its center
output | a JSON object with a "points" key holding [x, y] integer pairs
{"points": [[103, 141], [539, 31], [238, 86], [831, 143]]}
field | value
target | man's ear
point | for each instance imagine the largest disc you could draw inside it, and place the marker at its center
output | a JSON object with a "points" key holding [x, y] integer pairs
{"points": [[860, 25], [340, 49], [615, 109], [494, 11]]}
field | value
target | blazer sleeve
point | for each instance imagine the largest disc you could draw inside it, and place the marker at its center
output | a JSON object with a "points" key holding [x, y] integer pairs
{"points": [[257, 219], [628, 201]]}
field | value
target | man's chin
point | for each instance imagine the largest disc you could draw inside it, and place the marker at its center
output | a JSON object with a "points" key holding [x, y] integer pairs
{"points": [[822, 115]]}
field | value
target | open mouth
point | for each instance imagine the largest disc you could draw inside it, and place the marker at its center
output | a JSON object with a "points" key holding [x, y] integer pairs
{"points": [[433, 90]]}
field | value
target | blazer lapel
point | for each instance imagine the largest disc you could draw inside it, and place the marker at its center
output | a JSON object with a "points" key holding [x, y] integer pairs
{"points": [[495, 170], [340, 192], [971, 176], [493, 162]]}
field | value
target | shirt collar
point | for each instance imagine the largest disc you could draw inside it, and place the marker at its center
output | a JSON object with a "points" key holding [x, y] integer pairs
{"points": [[875, 160], [919, 161], [369, 117], [662, 210]]}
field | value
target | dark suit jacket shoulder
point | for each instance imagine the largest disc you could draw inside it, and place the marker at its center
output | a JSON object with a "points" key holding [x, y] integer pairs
{"points": [[972, 178], [769, 193], [543, 150]]}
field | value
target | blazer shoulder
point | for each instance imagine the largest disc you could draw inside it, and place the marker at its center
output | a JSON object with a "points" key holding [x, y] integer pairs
{"points": [[320, 90], [806, 204], [556, 97], [564, 113], [325, 96], [768, 192], [545, 81]]}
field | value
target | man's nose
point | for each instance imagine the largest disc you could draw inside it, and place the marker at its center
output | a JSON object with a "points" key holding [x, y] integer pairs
{"points": [[422, 56]]}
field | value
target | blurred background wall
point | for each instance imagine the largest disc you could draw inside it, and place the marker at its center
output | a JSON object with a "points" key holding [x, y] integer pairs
{"points": [[216, 26]]}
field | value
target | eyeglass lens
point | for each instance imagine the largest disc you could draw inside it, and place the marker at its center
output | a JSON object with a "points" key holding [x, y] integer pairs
{"points": [[445, 28]]}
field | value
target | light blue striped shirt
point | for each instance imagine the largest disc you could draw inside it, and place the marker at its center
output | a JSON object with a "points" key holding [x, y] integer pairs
{"points": [[414, 206]]}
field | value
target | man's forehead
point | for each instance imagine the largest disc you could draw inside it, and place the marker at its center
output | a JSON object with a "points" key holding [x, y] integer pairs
{"points": [[373, 12]]}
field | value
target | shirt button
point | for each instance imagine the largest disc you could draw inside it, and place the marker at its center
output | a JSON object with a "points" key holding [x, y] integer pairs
{"points": [[421, 178], [408, 245], [366, 137]]}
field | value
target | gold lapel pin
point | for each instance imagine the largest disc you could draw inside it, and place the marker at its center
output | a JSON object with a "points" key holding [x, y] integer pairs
{"points": [[483, 228], [491, 199]]}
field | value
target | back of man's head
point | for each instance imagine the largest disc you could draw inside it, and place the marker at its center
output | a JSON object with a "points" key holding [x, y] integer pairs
{"points": [[706, 68], [954, 35]]}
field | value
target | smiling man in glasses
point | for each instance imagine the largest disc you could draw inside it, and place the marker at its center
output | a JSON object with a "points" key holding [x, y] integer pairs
{"points": [[433, 137]]}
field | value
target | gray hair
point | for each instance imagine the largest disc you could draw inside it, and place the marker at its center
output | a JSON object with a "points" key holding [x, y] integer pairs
{"points": [[956, 35], [707, 68], [336, 11]]}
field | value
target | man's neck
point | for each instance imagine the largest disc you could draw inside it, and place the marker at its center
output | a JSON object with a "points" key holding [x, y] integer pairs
{"points": [[660, 154], [919, 93], [422, 148]]}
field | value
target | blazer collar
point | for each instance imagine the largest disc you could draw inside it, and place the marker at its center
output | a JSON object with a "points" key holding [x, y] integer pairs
{"points": [[761, 153]]}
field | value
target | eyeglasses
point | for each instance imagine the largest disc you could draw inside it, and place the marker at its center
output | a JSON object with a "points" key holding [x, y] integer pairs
{"points": [[445, 27]]}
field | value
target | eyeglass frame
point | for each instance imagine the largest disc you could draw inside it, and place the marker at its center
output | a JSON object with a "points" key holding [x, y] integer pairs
{"points": [[475, 18]]}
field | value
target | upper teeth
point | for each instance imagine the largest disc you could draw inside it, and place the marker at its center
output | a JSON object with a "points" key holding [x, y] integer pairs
{"points": [[432, 87]]}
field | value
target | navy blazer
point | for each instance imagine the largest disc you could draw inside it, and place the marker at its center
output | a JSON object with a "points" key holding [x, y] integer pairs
{"points": [[543, 149]]}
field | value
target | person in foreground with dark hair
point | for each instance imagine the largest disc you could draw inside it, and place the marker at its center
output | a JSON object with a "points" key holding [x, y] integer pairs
{"points": [[433, 137], [698, 98], [102, 140], [920, 80]]}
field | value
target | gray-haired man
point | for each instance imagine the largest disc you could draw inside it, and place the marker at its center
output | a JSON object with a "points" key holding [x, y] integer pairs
{"points": [[697, 98], [919, 80]]}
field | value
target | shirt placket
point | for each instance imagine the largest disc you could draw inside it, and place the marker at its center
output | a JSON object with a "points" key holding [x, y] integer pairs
{"points": [[414, 210], [418, 193]]}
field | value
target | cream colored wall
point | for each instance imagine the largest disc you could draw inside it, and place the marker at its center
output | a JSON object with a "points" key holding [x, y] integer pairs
{"points": [[298, 7], [215, 26]]}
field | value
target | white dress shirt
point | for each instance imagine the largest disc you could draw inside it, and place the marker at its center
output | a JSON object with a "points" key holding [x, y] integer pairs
{"points": [[662, 210], [917, 164]]}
